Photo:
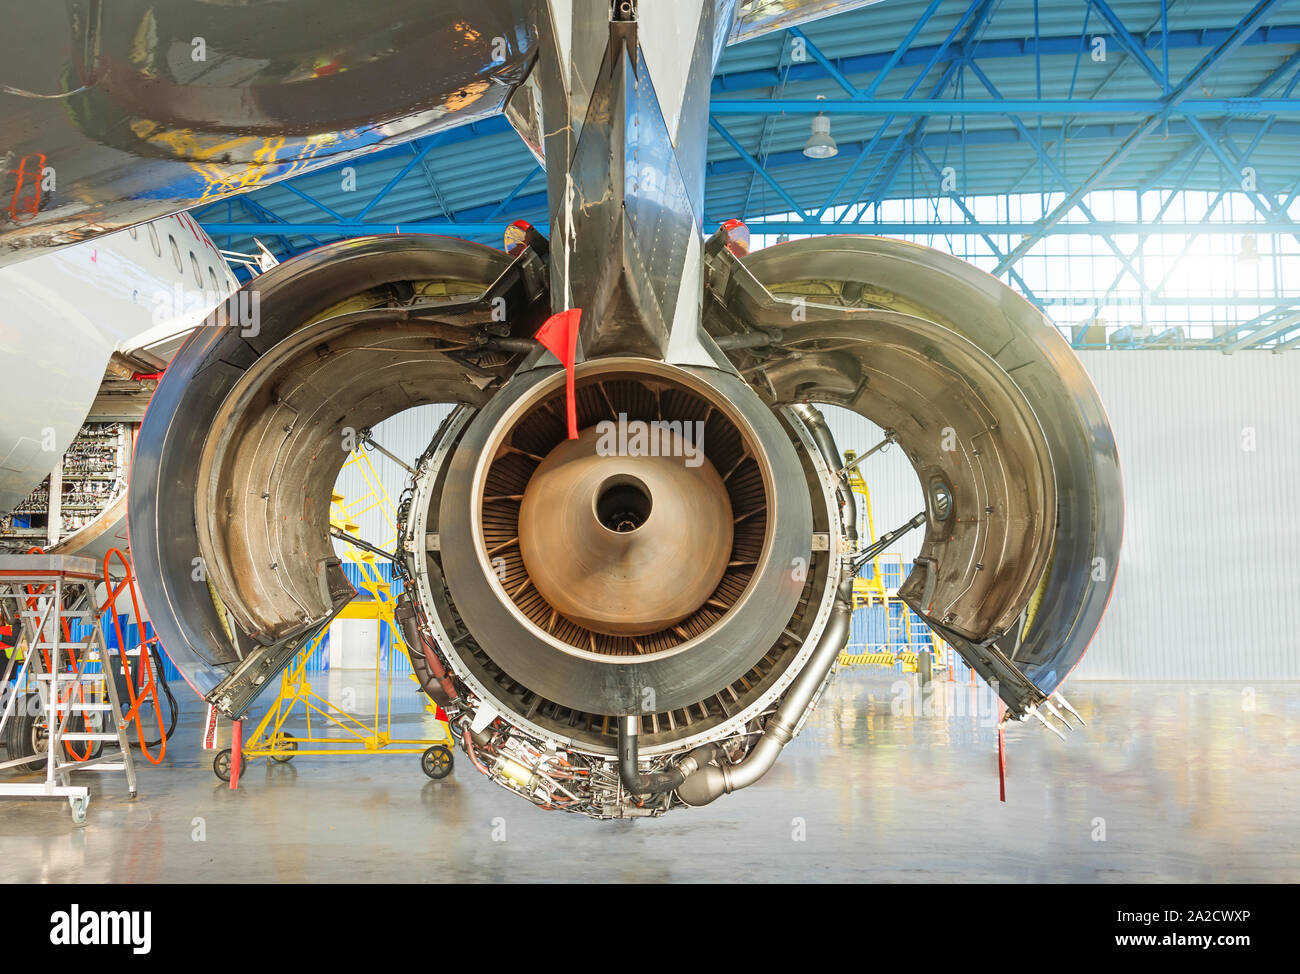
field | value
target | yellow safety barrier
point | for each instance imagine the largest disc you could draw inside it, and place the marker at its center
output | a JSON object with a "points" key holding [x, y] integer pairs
{"points": [[867, 659]]}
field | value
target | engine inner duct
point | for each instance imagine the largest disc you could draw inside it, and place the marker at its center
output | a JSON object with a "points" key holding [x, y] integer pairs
{"points": [[623, 559]]}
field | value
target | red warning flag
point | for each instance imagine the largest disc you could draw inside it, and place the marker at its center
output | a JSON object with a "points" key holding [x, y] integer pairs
{"points": [[560, 336], [1002, 752]]}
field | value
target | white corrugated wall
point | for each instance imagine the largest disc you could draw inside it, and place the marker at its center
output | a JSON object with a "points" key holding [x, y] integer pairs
{"points": [[1209, 578]]}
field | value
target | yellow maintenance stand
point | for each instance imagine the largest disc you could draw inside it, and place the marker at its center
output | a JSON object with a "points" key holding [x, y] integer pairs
{"points": [[345, 733], [907, 642]]}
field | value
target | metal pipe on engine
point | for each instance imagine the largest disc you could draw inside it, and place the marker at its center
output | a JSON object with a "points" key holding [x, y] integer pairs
{"points": [[439, 685], [821, 433], [714, 780], [634, 780]]}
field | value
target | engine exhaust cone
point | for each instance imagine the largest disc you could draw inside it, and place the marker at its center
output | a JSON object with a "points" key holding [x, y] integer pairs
{"points": [[625, 544]]}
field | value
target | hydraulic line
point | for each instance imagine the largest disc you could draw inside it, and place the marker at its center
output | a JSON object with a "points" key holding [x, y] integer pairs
{"points": [[886, 539]]}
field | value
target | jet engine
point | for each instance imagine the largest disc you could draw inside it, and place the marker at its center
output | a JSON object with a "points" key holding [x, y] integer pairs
{"points": [[627, 577]]}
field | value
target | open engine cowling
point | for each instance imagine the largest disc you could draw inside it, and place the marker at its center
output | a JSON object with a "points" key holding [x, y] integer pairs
{"points": [[642, 616]]}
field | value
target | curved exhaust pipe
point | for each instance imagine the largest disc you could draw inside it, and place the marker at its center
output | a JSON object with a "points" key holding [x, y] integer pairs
{"points": [[710, 781]]}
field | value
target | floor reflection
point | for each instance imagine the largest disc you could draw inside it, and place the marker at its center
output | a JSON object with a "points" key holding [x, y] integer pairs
{"points": [[1170, 783]]}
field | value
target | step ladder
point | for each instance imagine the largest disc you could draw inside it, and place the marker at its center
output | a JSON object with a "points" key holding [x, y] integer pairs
{"points": [[47, 593]]}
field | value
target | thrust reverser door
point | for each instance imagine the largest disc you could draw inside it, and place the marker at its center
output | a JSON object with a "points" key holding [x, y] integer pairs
{"points": [[245, 437], [1024, 506]]}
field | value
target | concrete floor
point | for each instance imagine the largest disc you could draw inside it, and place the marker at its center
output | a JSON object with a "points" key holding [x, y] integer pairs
{"points": [[1187, 783]]}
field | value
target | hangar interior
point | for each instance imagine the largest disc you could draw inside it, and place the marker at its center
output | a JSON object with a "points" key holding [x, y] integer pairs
{"points": [[1127, 168]]}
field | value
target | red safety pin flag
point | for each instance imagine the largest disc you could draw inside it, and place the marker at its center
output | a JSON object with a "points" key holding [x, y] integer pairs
{"points": [[560, 336], [1002, 751]]}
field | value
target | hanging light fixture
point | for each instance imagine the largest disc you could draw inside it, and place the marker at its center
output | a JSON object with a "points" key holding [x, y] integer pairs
{"points": [[1249, 255], [820, 145]]}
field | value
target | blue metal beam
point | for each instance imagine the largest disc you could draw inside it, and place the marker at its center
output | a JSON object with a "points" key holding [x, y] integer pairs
{"points": [[769, 125], [1132, 44], [1164, 43], [968, 29], [895, 150], [514, 193], [1049, 164], [996, 48], [256, 208], [1264, 333], [974, 220], [775, 227], [1248, 25], [401, 174], [1201, 107], [1234, 166], [824, 61], [1264, 205], [288, 185], [1228, 126], [934, 141], [757, 167], [869, 146], [902, 49], [931, 142]]}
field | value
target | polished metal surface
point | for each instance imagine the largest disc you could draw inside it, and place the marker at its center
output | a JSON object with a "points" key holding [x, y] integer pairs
{"points": [[567, 603], [539, 720], [624, 545], [371, 275], [1171, 783], [167, 104], [755, 17], [624, 108], [689, 667], [996, 414], [123, 112]]}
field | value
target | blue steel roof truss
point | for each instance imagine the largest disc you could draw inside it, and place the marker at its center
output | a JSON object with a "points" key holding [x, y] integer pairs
{"points": [[1005, 79]]}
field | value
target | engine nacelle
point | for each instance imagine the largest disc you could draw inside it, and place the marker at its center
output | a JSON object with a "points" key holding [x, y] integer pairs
{"points": [[644, 615]]}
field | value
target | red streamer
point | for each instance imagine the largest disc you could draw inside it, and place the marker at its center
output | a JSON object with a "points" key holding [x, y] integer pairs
{"points": [[560, 336]]}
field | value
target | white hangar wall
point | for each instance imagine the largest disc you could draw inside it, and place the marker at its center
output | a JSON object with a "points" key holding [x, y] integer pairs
{"points": [[1209, 577]]}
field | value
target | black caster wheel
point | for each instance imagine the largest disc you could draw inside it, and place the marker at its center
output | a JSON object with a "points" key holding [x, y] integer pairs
{"points": [[289, 742], [221, 764], [437, 761], [26, 735]]}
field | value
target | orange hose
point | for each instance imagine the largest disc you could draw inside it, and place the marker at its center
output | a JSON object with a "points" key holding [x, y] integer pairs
{"points": [[150, 687]]}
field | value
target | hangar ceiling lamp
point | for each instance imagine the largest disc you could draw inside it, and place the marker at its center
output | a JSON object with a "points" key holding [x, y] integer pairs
{"points": [[1249, 254], [820, 145]]}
